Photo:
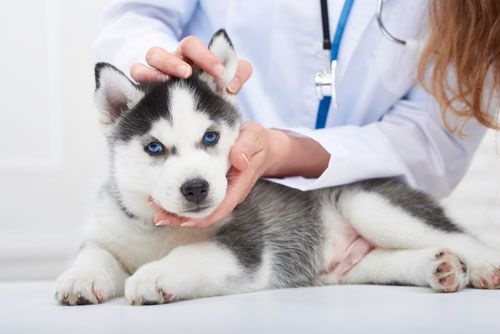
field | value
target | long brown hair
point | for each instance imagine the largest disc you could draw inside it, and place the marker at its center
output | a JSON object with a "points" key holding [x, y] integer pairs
{"points": [[464, 38]]}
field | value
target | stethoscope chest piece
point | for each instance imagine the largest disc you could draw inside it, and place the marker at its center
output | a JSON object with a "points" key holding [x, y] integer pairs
{"points": [[324, 82]]}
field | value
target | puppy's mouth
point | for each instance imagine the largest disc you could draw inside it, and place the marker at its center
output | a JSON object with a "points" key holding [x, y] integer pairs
{"points": [[190, 212], [198, 209], [197, 212]]}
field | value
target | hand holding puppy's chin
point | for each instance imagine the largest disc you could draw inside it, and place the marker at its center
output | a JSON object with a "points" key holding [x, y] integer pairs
{"points": [[200, 219], [165, 218]]}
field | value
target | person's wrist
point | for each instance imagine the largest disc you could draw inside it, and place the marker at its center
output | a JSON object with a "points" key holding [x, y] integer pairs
{"points": [[279, 150], [294, 156]]}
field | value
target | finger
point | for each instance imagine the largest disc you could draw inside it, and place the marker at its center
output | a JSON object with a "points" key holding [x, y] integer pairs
{"points": [[163, 218], [247, 145], [243, 73], [168, 63], [194, 49], [142, 73]]}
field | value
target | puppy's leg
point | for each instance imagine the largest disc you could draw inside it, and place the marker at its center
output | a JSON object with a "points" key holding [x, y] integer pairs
{"points": [[196, 270], [392, 226], [438, 268], [94, 277], [388, 225]]}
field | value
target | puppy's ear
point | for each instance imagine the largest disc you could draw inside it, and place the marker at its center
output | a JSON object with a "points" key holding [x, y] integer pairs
{"points": [[115, 94], [222, 47]]}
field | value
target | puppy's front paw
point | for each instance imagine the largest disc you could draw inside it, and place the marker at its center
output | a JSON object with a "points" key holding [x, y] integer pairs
{"points": [[152, 284], [448, 272], [82, 287]]}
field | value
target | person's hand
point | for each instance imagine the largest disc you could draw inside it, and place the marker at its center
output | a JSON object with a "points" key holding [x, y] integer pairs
{"points": [[257, 152], [190, 50]]}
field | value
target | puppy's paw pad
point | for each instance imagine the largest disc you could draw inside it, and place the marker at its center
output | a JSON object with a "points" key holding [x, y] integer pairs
{"points": [[448, 272], [83, 288], [486, 279]]}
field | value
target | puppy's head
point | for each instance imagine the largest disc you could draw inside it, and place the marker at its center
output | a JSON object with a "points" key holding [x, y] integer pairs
{"points": [[170, 140]]}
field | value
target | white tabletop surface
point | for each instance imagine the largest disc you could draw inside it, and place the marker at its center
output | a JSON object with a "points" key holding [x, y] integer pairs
{"points": [[29, 307]]}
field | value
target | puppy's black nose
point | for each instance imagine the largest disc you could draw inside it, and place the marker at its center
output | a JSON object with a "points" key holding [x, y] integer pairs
{"points": [[195, 190]]}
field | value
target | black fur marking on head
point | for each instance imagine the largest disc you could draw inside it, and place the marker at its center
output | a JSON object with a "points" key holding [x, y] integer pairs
{"points": [[415, 202], [156, 103], [210, 103], [153, 106]]}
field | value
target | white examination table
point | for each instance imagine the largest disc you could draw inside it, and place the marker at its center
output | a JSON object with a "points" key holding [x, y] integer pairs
{"points": [[29, 307]]}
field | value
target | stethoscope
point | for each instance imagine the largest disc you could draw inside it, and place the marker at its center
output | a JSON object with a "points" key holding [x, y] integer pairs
{"points": [[325, 82]]}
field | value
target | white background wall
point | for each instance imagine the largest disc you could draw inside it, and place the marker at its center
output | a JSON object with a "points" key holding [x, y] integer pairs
{"points": [[52, 153], [51, 149]]}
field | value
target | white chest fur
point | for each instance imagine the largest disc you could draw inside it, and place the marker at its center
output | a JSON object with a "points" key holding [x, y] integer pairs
{"points": [[135, 243]]}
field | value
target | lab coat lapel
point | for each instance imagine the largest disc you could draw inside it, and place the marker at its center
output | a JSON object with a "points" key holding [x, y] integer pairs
{"points": [[362, 14]]}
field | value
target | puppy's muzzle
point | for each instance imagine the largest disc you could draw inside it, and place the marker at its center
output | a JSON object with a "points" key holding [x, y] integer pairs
{"points": [[195, 191]]}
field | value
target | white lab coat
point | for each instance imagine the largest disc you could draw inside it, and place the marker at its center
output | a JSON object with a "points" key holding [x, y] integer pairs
{"points": [[386, 124]]}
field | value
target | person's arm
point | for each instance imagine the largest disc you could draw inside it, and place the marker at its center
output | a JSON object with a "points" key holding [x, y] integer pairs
{"points": [[295, 156], [410, 141]]}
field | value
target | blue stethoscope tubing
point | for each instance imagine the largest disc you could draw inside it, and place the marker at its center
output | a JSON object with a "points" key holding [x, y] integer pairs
{"points": [[324, 105]]}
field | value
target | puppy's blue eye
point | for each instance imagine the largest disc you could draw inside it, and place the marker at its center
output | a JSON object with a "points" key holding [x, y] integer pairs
{"points": [[154, 148], [210, 138]]}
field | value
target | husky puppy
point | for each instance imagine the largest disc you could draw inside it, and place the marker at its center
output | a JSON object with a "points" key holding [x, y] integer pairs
{"points": [[171, 141]]}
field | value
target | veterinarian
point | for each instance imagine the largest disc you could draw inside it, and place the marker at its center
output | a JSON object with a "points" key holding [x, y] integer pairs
{"points": [[416, 108]]}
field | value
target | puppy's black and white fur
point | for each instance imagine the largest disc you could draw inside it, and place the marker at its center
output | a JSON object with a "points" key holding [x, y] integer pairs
{"points": [[171, 141]]}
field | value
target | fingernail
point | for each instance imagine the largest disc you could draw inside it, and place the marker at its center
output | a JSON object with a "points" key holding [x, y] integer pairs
{"points": [[234, 85], [244, 156], [188, 224], [163, 222], [219, 70], [182, 70], [161, 77]]}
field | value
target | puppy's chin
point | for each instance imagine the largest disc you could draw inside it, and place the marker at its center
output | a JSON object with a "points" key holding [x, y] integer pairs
{"points": [[197, 213]]}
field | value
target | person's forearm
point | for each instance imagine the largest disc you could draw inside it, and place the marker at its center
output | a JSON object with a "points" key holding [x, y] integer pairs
{"points": [[296, 156]]}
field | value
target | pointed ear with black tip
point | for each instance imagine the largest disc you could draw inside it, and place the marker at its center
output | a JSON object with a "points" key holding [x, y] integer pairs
{"points": [[115, 94], [222, 47]]}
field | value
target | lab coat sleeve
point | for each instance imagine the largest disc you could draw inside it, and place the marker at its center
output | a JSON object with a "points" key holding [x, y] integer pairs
{"points": [[410, 141], [131, 28]]}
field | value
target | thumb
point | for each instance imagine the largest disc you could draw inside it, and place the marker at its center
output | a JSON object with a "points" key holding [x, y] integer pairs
{"points": [[247, 145], [239, 159]]}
